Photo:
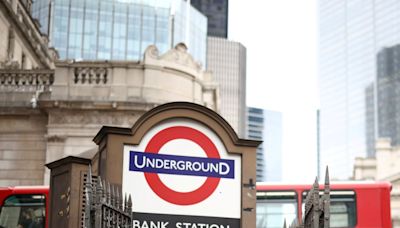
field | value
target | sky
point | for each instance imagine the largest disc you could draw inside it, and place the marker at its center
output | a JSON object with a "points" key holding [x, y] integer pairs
{"points": [[281, 38]]}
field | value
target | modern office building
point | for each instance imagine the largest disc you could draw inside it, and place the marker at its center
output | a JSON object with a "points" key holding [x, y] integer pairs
{"points": [[352, 33], [217, 15], [227, 61], [120, 29], [266, 125], [272, 145], [255, 130], [388, 87], [387, 115]]}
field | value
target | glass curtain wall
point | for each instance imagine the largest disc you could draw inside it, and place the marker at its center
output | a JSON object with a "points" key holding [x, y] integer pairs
{"points": [[352, 33], [120, 29]]}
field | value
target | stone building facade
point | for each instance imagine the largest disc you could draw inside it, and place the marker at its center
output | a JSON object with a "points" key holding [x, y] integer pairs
{"points": [[87, 95], [50, 109], [384, 167], [26, 66], [22, 46]]}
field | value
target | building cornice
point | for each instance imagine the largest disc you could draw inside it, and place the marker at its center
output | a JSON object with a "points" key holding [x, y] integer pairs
{"points": [[99, 63], [96, 105]]}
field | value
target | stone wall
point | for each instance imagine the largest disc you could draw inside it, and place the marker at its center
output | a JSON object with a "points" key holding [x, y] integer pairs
{"points": [[22, 148]]}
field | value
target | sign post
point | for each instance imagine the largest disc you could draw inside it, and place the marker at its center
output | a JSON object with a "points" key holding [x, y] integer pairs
{"points": [[184, 166]]}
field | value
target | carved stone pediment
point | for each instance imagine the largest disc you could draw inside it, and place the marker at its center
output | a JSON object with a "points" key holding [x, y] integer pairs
{"points": [[178, 55]]}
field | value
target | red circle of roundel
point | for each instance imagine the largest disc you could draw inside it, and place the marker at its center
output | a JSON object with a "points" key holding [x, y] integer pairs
{"points": [[154, 181]]}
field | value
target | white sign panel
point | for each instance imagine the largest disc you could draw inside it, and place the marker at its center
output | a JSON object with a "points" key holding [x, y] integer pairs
{"points": [[181, 167]]}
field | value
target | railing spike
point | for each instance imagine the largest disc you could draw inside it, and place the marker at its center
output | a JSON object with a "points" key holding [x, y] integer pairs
{"points": [[117, 202], [125, 203], [316, 184], [112, 197], [108, 193], [104, 194], [120, 200], [99, 191], [327, 176], [129, 204], [87, 210]]}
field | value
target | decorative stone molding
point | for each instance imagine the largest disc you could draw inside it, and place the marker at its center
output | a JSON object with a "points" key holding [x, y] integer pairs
{"points": [[55, 138], [177, 55], [92, 117], [151, 52], [10, 64]]}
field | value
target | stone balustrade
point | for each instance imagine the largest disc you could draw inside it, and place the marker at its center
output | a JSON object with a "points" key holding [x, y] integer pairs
{"points": [[25, 80], [90, 75]]}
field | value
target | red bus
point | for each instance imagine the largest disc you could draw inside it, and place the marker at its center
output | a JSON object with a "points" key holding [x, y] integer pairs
{"points": [[24, 207], [353, 204]]}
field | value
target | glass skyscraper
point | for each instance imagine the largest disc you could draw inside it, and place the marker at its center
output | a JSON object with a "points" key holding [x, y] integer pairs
{"points": [[217, 14], [120, 29], [388, 94], [266, 125], [255, 130], [352, 33]]}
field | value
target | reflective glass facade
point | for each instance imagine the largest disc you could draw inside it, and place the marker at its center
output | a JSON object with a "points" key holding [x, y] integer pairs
{"points": [[266, 125], [120, 29], [255, 129], [388, 87], [352, 33]]}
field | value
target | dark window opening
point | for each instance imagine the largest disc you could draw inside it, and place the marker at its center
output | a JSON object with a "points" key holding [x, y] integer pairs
{"points": [[23, 211]]}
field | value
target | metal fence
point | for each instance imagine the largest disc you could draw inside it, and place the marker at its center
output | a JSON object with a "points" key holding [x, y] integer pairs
{"points": [[104, 206], [316, 212]]}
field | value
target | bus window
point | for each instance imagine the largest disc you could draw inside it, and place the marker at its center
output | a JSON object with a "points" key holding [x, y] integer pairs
{"points": [[23, 211], [274, 207], [342, 208]]}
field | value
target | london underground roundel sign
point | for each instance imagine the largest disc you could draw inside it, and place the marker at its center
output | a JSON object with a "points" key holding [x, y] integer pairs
{"points": [[170, 195], [181, 167]]}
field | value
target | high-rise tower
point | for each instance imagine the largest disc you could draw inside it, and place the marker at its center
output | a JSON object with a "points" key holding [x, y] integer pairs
{"points": [[266, 125], [217, 15], [388, 100], [352, 33], [227, 61]]}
